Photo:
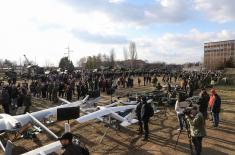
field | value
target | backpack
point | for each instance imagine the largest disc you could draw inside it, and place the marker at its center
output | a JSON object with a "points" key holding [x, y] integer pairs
{"points": [[151, 111]]}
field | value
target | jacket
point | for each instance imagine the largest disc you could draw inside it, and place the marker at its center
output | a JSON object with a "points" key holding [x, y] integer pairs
{"points": [[145, 112], [211, 101], [178, 107], [5, 98], [73, 149], [197, 126], [138, 110], [217, 104], [203, 102]]}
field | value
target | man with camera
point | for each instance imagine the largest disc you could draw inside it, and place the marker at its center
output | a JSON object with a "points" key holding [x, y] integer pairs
{"points": [[197, 128], [203, 102]]}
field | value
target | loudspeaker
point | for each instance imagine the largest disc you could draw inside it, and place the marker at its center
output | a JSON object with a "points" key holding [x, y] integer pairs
{"points": [[68, 113]]}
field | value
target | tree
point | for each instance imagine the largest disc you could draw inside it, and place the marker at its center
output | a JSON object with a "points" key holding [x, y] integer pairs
{"points": [[132, 53], [125, 54], [93, 62], [229, 63], [105, 60], [98, 60], [82, 62], [8, 63], [89, 63], [112, 58], [66, 64]]}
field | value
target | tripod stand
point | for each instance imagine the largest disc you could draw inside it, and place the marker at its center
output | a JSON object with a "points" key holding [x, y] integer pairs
{"points": [[188, 134]]}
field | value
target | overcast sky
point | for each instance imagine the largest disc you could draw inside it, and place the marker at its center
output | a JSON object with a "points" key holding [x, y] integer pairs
{"points": [[164, 30]]}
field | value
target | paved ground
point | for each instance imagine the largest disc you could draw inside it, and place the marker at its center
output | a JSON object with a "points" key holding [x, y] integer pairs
{"points": [[219, 141]]}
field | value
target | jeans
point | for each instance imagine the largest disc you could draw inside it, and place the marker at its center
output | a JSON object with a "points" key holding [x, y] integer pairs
{"points": [[146, 129], [140, 125], [197, 142], [181, 120], [215, 117]]}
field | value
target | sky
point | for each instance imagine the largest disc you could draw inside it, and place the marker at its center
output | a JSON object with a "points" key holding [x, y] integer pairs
{"points": [[172, 31]]}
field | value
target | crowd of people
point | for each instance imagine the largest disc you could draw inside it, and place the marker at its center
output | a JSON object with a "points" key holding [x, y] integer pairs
{"points": [[15, 94]]}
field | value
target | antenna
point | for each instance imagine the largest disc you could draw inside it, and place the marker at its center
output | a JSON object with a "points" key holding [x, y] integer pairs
{"points": [[68, 52]]}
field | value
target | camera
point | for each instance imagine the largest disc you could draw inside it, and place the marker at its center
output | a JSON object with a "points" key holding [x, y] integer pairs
{"points": [[187, 111]]}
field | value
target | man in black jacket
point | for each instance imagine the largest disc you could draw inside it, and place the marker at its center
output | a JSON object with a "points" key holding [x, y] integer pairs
{"points": [[145, 115], [203, 103], [69, 147], [27, 101], [216, 108], [6, 101]]}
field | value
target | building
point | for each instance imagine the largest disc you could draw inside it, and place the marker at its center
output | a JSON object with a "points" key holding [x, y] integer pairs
{"points": [[131, 63], [216, 54]]}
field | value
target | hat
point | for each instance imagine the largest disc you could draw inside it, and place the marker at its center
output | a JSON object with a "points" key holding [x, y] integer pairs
{"points": [[67, 135]]}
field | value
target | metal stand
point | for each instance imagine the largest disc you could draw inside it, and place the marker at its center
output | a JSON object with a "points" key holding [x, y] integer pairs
{"points": [[188, 134]]}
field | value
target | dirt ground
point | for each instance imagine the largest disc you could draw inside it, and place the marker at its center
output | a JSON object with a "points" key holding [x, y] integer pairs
{"points": [[126, 141]]}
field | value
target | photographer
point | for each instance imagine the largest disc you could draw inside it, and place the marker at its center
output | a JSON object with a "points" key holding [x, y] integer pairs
{"points": [[203, 103], [197, 128]]}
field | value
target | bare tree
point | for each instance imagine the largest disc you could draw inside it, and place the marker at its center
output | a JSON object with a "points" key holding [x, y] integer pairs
{"points": [[112, 57], [125, 54], [82, 62], [132, 53]]}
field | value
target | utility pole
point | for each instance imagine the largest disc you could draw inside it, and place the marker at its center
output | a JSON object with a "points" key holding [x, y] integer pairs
{"points": [[68, 51]]}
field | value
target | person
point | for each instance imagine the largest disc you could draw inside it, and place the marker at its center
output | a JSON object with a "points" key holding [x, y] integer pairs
{"points": [[55, 92], [168, 87], [14, 95], [78, 86], [215, 109], [69, 147], [139, 81], [158, 87], [203, 102], [145, 80], [197, 128], [50, 90], [210, 104], [179, 111], [145, 115], [69, 92], [5, 101], [27, 101], [154, 81], [138, 114], [190, 88]]}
